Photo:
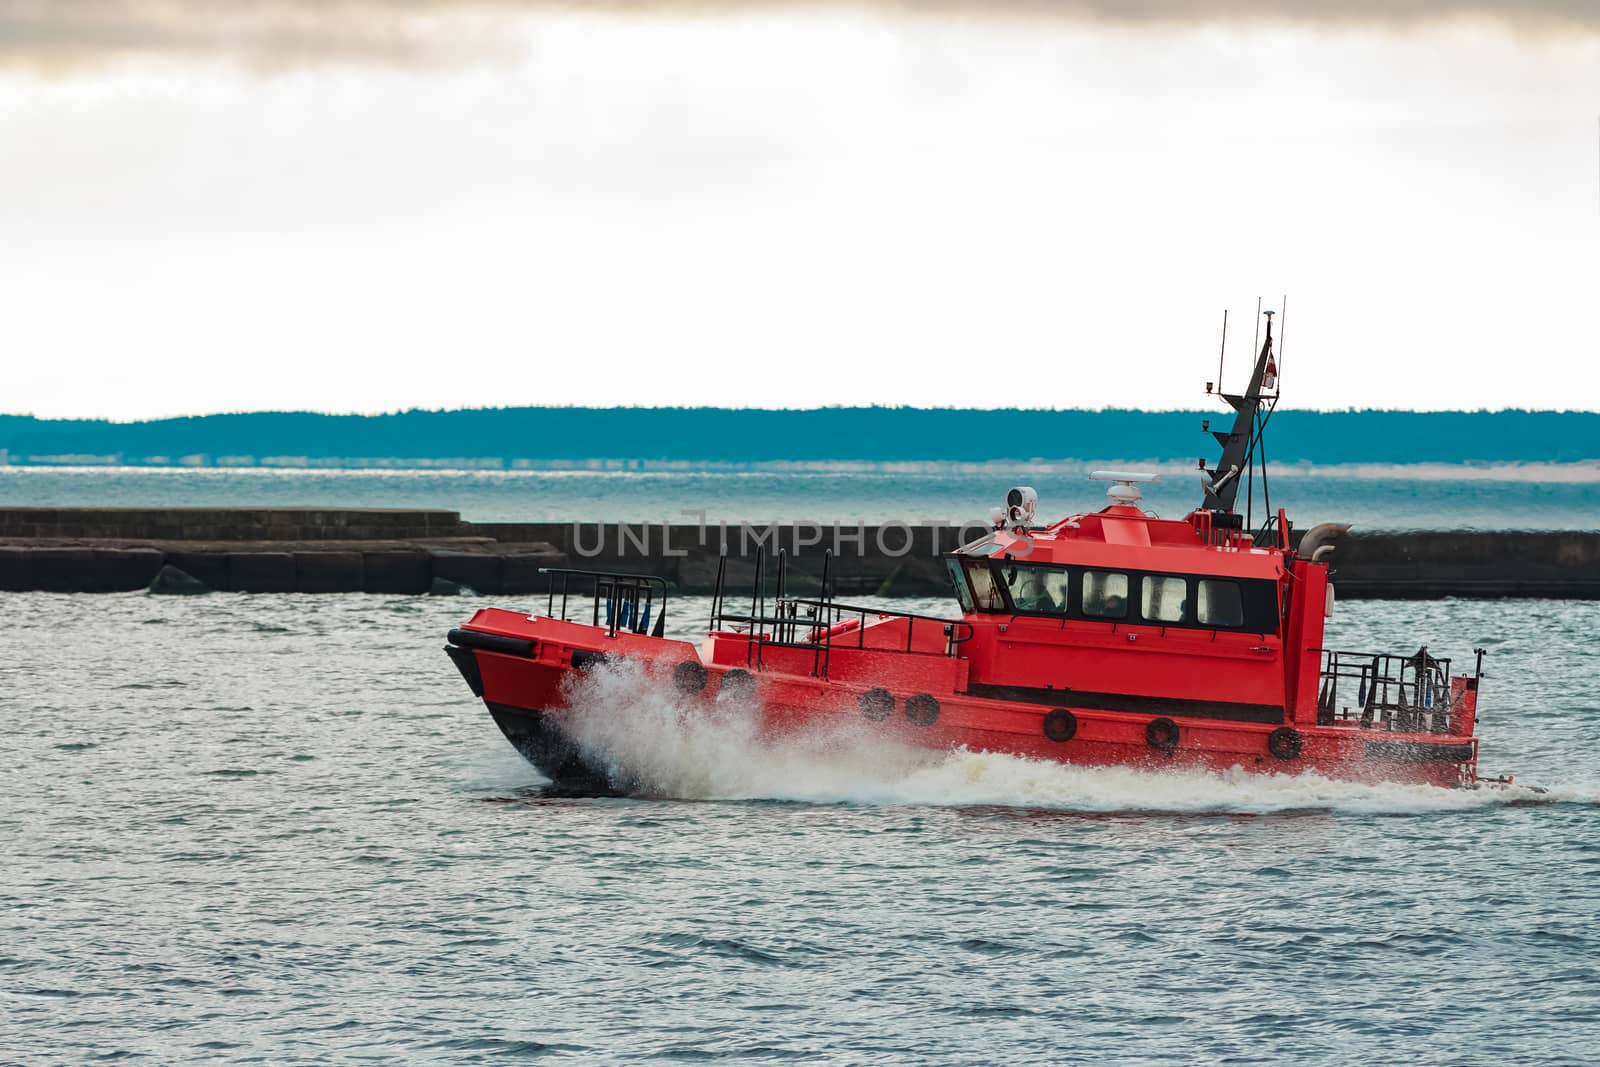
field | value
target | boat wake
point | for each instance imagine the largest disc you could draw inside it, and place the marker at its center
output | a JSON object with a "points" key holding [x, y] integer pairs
{"points": [[656, 744]]}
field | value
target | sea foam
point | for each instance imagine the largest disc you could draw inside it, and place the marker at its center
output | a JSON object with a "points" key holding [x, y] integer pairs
{"points": [[657, 743]]}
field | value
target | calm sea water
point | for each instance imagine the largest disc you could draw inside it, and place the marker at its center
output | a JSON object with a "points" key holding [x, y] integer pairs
{"points": [[1564, 497], [279, 830]]}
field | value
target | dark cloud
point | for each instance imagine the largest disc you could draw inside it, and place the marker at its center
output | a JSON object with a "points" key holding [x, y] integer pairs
{"points": [[55, 35]]}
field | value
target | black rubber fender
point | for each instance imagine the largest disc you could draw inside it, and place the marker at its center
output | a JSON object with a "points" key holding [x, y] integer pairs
{"points": [[1060, 725], [877, 704], [737, 684], [510, 646], [922, 710], [1285, 743], [1162, 735], [689, 676], [584, 659]]}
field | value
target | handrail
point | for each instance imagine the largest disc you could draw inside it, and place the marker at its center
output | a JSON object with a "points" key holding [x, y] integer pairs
{"points": [[622, 592], [817, 617], [795, 622], [1385, 696], [782, 629]]}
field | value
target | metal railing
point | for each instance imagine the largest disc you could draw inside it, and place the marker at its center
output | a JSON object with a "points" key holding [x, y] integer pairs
{"points": [[815, 624], [628, 600], [1383, 691]]}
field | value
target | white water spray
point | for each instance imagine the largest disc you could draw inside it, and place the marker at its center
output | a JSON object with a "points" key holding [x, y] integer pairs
{"points": [[659, 743]]}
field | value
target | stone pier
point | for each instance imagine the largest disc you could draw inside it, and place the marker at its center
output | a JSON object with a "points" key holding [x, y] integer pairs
{"points": [[325, 550]]}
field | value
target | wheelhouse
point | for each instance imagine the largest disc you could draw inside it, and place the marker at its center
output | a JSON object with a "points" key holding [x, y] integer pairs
{"points": [[1178, 598]]}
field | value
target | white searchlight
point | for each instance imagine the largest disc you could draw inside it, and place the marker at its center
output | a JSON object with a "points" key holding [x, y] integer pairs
{"points": [[1022, 503]]}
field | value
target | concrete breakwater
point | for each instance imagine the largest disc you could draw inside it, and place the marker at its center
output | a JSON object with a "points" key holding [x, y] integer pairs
{"points": [[261, 550], [405, 551]]}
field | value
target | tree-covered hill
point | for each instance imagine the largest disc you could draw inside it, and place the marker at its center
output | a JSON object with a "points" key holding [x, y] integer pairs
{"points": [[756, 435]]}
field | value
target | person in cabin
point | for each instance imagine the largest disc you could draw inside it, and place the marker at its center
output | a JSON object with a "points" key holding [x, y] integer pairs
{"points": [[1035, 595], [1104, 595]]}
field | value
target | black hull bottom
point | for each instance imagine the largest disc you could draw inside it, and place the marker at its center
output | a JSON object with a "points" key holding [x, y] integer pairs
{"points": [[548, 749]]}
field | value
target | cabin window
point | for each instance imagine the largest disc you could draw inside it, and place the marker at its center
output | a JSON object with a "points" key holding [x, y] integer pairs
{"points": [[1105, 595], [1163, 599], [1035, 589], [1219, 603], [986, 595], [959, 580]]}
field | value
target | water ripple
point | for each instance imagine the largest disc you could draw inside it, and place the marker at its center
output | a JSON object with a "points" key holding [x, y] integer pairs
{"points": [[316, 849]]}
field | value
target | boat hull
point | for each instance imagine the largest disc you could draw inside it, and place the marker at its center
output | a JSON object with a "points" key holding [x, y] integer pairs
{"points": [[537, 735], [528, 688]]}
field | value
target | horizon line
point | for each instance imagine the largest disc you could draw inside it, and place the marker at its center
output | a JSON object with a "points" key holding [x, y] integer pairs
{"points": [[393, 413]]}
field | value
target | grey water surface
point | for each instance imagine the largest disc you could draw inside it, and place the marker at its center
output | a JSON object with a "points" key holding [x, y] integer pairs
{"points": [[1391, 497], [278, 829]]}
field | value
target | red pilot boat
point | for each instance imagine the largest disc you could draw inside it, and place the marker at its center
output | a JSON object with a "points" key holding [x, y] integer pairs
{"points": [[1111, 638]]}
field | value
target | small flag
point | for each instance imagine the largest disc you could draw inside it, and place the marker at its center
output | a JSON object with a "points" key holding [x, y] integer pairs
{"points": [[1269, 380]]}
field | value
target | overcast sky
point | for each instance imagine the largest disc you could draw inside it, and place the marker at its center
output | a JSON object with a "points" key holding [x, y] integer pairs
{"points": [[362, 205]]}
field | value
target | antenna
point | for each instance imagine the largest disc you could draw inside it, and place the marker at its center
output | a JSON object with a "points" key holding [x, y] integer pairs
{"points": [[1283, 331], [1255, 345], [1242, 447], [1224, 353]]}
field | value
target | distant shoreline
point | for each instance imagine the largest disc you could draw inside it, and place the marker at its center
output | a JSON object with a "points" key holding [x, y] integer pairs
{"points": [[1574, 472], [550, 438]]}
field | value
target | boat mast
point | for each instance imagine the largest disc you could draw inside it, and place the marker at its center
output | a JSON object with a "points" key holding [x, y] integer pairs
{"points": [[1239, 444]]}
